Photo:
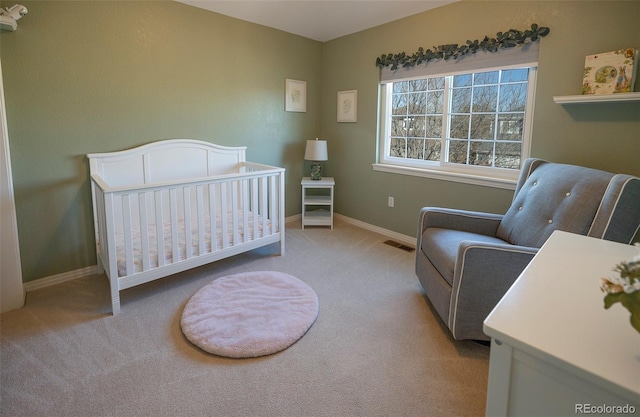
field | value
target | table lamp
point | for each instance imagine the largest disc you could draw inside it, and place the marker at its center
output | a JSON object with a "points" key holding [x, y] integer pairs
{"points": [[316, 151]]}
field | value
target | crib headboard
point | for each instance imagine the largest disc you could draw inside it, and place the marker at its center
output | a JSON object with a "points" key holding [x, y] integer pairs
{"points": [[166, 160]]}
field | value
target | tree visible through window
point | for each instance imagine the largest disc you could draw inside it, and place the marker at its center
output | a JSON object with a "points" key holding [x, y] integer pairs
{"points": [[475, 119]]}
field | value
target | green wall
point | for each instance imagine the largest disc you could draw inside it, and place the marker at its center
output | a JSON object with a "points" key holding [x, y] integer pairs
{"points": [[604, 136], [94, 76]]}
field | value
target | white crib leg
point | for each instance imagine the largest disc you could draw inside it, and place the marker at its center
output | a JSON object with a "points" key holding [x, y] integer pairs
{"points": [[115, 298]]}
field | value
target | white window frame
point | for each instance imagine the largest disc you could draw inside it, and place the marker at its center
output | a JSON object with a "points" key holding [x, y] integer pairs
{"points": [[479, 175]]}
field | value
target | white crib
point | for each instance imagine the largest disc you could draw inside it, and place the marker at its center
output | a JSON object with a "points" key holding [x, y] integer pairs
{"points": [[173, 205]]}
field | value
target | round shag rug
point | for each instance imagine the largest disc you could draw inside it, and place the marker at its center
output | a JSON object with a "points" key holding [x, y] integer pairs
{"points": [[249, 314]]}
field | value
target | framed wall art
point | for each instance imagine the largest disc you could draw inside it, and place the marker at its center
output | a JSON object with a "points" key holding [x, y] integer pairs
{"points": [[295, 96], [348, 106]]}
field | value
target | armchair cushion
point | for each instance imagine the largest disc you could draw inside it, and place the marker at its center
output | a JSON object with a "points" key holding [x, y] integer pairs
{"points": [[554, 197], [441, 246]]}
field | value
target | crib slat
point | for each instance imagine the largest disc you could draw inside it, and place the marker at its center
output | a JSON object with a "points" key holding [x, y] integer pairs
{"points": [[200, 215], [212, 217], [144, 230], [173, 214], [254, 207], [127, 230], [159, 228], [245, 211], [186, 197], [264, 198], [224, 214], [234, 211]]}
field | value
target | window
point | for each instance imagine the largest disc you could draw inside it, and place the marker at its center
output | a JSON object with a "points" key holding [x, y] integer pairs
{"points": [[469, 126]]}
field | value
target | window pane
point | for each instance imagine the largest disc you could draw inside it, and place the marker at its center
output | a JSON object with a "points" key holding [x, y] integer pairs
{"points": [[508, 155], [486, 78], [458, 151], [436, 83], [435, 102], [416, 127], [462, 80], [459, 127], [401, 87], [398, 126], [521, 74], [513, 97], [461, 100], [485, 98], [418, 85], [415, 148], [482, 126], [510, 127], [432, 150], [434, 127], [399, 104], [481, 153], [417, 103], [397, 147]]}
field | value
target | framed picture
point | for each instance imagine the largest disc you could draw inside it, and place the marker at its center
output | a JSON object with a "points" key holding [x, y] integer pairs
{"points": [[295, 96], [348, 106]]}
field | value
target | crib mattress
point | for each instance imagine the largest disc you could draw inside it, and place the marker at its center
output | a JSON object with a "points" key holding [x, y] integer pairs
{"points": [[233, 238]]}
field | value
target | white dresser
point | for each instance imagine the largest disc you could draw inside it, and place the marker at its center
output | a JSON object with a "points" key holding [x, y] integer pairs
{"points": [[555, 350]]}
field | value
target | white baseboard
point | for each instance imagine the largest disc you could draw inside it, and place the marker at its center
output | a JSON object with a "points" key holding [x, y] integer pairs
{"points": [[58, 278], [401, 238], [293, 218], [92, 270]]}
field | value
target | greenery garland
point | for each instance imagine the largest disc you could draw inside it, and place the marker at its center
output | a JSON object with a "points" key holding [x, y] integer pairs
{"points": [[503, 40]]}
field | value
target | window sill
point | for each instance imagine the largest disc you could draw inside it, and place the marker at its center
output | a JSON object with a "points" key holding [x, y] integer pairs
{"points": [[504, 183]]}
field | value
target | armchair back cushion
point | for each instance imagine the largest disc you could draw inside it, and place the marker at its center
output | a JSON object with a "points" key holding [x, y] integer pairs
{"points": [[551, 196]]}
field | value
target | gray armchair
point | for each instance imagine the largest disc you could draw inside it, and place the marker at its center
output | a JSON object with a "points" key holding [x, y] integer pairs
{"points": [[466, 261]]}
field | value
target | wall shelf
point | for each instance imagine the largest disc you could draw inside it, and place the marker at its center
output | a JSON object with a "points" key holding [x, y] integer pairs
{"points": [[597, 98]]}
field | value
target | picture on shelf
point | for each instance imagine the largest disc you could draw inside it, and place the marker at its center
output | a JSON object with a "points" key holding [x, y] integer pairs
{"points": [[610, 72]]}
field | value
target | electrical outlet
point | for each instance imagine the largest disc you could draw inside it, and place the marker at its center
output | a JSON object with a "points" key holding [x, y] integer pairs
{"points": [[391, 201]]}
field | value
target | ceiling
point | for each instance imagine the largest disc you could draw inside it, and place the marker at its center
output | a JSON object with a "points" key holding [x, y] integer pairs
{"points": [[321, 20]]}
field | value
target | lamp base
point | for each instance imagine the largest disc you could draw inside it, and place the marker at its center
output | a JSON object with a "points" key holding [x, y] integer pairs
{"points": [[316, 171]]}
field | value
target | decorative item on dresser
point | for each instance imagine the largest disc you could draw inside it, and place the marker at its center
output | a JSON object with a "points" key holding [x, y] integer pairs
{"points": [[624, 288], [172, 205]]}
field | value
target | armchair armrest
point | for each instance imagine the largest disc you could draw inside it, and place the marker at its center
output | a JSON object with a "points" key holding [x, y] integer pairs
{"points": [[465, 220], [478, 285]]}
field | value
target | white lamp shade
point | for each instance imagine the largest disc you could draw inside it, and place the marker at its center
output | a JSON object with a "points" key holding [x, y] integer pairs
{"points": [[316, 150]]}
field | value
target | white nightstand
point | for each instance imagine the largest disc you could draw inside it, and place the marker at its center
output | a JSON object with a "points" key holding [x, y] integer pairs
{"points": [[317, 206]]}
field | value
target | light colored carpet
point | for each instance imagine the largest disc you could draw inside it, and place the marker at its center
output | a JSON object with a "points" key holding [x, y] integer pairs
{"points": [[376, 349], [249, 314]]}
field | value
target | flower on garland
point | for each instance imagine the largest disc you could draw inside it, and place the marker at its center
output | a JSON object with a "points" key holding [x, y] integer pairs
{"points": [[625, 288]]}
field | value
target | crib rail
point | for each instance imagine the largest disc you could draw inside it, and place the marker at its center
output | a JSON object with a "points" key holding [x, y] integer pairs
{"points": [[177, 225]]}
